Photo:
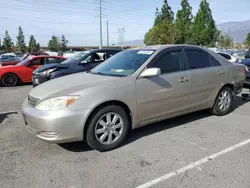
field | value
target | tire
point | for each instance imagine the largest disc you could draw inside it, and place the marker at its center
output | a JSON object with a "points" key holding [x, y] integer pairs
{"points": [[9, 80], [118, 129], [227, 101]]}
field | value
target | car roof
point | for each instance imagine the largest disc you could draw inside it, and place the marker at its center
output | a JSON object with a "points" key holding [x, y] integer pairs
{"points": [[109, 49], [47, 56], [165, 46]]}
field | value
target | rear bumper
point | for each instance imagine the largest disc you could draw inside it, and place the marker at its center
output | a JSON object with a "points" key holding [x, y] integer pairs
{"points": [[238, 87]]}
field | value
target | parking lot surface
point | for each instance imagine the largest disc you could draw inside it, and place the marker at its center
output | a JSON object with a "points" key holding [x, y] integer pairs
{"points": [[150, 152]]}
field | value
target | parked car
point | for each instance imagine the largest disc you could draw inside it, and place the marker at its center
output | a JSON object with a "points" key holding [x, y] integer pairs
{"points": [[246, 62], [133, 88], [16, 61], [22, 72], [5, 58], [228, 57], [80, 62]]}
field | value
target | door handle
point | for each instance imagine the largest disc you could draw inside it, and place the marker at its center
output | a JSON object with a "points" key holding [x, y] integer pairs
{"points": [[183, 80]]}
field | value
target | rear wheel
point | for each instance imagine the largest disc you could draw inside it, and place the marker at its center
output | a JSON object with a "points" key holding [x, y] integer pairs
{"points": [[224, 102], [108, 128], [10, 80]]}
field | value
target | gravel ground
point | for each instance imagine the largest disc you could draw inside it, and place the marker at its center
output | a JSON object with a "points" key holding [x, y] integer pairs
{"points": [[150, 152]]}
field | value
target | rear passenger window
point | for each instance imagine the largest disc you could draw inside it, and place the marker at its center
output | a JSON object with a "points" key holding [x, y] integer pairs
{"points": [[198, 59], [228, 57], [169, 62], [214, 62]]}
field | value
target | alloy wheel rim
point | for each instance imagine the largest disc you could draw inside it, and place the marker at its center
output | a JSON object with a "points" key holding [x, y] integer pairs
{"points": [[10, 80], [224, 100], [109, 128]]}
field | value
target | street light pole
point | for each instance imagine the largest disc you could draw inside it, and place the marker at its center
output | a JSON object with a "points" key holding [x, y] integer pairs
{"points": [[107, 33], [100, 16]]}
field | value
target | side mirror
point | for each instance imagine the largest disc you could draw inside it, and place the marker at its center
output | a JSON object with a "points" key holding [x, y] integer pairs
{"points": [[150, 72], [28, 64]]}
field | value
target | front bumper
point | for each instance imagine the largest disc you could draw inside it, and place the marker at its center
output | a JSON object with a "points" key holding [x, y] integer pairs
{"points": [[55, 126]]}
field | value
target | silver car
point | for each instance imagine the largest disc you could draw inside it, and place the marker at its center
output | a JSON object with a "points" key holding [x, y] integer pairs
{"points": [[133, 88]]}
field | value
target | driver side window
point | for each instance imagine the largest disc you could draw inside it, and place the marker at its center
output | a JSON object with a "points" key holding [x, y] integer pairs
{"points": [[169, 62], [99, 57], [37, 61]]}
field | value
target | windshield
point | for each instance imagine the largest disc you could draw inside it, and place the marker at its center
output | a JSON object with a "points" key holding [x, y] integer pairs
{"points": [[124, 63], [21, 63], [76, 58]]}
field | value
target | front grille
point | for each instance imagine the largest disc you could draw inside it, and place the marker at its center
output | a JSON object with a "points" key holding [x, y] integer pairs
{"points": [[32, 100]]}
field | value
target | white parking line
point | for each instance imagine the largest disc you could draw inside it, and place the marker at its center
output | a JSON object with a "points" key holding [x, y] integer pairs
{"points": [[193, 165]]}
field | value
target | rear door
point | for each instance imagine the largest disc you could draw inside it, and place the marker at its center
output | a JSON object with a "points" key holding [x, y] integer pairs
{"points": [[206, 76]]}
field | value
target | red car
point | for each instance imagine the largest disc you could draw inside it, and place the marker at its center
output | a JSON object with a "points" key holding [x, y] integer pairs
{"points": [[22, 72], [14, 62]]}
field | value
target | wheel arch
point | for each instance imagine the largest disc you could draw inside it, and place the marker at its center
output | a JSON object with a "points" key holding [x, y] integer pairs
{"points": [[19, 79], [229, 85], [107, 103]]}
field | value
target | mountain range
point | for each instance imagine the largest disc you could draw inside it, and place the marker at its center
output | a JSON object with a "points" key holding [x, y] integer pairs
{"points": [[237, 30]]}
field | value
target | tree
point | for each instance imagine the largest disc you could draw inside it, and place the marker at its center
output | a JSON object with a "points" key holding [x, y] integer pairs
{"points": [[21, 46], [165, 14], [64, 43], [184, 19], [38, 47], [53, 44], [163, 30], [7, 43], [204, 30], [226, 41], [32, 44], [163, 33], [247, 41]]}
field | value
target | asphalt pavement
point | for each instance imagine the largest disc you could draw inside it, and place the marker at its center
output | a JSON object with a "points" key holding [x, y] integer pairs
{"points": [[196, 150]]}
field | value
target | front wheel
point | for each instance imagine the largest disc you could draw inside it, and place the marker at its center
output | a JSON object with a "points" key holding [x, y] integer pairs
{"points": [[9, 80], [108, 128], [223, 103]]}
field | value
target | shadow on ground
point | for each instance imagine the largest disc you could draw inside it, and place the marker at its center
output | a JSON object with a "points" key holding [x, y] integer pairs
{"points": [[154, 128], [76, 147], [3, 116]]}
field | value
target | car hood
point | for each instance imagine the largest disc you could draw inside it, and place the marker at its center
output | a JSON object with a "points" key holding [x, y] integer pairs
{"points": [[67, 85], [5, 68], [51, 66]]}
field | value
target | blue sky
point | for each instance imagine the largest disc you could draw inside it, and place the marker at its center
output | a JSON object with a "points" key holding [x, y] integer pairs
{"points": [[78, 19]]}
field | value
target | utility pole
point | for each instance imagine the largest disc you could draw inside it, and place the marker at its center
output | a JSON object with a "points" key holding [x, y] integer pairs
{"points": [[100, 16], [121, 32], [107, 33]]}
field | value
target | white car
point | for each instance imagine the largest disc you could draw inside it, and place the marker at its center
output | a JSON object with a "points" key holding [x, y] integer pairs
{"points": [[228, 57]]}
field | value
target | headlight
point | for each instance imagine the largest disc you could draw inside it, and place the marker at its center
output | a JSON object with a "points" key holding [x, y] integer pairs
{"points": [[56, 103], [47, 72]]}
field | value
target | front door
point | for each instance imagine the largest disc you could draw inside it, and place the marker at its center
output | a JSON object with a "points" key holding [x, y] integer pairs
{"points": [[167, 93], [32, 65]]}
